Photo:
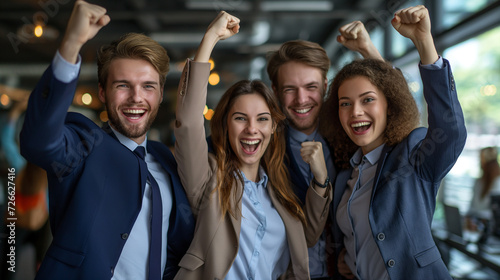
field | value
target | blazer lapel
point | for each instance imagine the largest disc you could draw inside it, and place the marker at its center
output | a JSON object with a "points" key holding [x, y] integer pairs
{"points": [[381, 163], [143, 173], [294, 234], [169, 165]]}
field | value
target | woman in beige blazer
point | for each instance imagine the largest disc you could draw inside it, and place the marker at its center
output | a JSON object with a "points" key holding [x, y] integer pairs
{"points": [[249, 224]]}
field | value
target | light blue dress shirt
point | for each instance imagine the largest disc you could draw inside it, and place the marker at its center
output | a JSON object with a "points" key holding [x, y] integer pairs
{"points": [[317, 253], [133, 260], [263, 252]]}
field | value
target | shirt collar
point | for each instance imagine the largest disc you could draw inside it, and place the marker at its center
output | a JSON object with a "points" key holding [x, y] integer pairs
{"points": [[372, 157], [262, 176], [127, 142], [301, 136]]}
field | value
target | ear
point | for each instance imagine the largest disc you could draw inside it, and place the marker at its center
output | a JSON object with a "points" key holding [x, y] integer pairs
{"points": [[102, 96], [162, 95]]}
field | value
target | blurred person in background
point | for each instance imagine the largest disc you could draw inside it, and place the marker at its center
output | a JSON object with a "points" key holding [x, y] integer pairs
{"points": [[479, 214], [31, 209]]}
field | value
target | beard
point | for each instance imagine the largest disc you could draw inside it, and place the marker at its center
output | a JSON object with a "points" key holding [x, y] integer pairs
{"points": [[131, 130], [303, 125]]}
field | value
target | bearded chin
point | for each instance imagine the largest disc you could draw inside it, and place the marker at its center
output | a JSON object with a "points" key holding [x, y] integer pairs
{"points": [[131, 131]]}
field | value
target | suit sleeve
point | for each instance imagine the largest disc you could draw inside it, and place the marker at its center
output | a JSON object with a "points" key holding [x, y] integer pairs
{"points": [[446, 135], [191, 149], [316, 211], [44, 137]]}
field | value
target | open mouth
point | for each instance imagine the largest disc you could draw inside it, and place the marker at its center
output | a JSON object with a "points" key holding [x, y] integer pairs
{"points": [[361, 127], [134, 114], [250, 146], [302, 111]]}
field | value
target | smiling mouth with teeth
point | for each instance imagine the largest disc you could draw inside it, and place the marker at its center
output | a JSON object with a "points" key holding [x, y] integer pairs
{"points": [[303, 111], [250, 146], [361, 126], [134, 114]]}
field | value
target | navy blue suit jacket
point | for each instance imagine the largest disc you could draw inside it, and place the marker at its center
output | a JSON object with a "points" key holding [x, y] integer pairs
{"points": [[300, 183], [95, 187], [406, 184]]}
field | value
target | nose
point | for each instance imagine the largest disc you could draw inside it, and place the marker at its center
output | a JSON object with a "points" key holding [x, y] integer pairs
{"points": [[357, 110], [251, 128], [135, 95], [302, 96]]}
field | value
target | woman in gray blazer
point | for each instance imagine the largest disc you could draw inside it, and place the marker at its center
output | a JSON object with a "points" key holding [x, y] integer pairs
{"points": [[249, 224]]}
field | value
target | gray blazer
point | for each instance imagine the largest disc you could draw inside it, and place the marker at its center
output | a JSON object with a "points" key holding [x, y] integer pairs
{"points": [[216, 239]]}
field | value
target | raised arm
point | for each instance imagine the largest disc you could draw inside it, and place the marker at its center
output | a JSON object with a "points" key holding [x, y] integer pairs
{"points": [[221, 28], [191, 151], [355, 37], [85, 21], [414, 23], [44, 138], [446, 134]]}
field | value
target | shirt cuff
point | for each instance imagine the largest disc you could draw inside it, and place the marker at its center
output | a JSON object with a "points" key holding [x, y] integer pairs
{"points": [[63, 70], [439, 64]]}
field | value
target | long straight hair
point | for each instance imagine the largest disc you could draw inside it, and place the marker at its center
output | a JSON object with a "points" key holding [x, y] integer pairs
{"points": [[490, 168], [272, 161]]}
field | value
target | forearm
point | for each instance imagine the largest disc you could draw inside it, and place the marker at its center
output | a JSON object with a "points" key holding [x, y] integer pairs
{"points": [[316, 211], [370, 51], [446, 134], [43, 126], [206, 47], [427, 50], [191, 151]]}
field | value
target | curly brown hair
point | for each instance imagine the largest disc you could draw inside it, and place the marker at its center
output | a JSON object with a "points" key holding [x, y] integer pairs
{"points": [[402, 110]]}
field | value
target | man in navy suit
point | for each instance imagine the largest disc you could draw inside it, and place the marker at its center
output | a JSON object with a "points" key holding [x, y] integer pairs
{"points": [[102, 194], [298, 71]]}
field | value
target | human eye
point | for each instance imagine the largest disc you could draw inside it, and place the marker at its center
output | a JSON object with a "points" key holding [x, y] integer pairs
{"points": [[149, 87], [121, 85], [344, 104], [263, 119], [239, 118], [369, 99]]}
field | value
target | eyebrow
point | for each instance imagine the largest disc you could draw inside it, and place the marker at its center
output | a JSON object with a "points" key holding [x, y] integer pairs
{"points": [[363, 94], [128, 82], [260, 114], [307, 84]]}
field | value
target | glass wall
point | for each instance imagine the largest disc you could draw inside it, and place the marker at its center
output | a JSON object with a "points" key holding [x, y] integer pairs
{"points": [[476, 67], [456, 10]]}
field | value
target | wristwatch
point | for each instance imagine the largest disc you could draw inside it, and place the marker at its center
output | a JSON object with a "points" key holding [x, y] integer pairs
{"points": [[322, 185]]}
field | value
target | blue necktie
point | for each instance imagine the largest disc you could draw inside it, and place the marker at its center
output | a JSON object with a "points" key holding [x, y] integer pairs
{"points": [[156, 220]]}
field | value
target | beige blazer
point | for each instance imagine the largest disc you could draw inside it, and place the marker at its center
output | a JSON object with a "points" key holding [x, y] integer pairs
{"points": [[216, 239]]}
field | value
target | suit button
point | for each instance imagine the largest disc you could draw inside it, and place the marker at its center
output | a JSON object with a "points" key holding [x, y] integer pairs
{"points": [[381, 236], [112, 271], [391, 263], [181, 92], [124, 236]]}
